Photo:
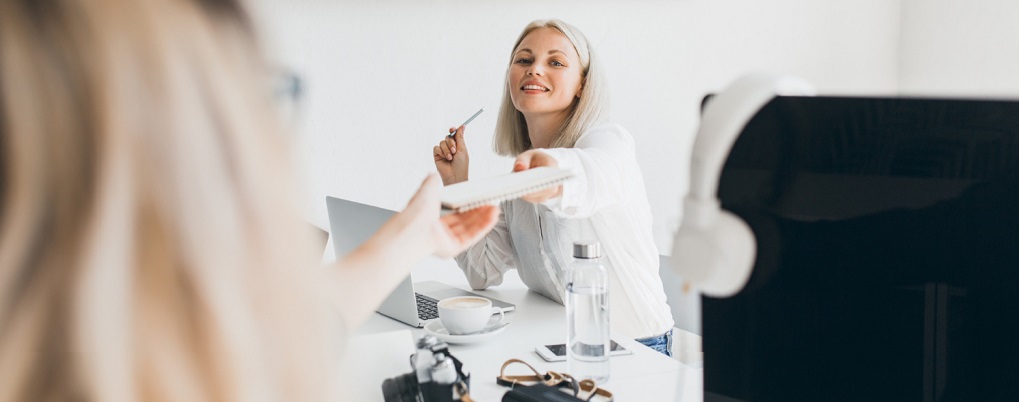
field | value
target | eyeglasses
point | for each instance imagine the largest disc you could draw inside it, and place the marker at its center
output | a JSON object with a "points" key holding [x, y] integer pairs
{"points": [[584, 390], [288, 91]]}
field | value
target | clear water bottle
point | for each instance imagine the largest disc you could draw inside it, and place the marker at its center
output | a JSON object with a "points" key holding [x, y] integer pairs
{"points": [[587, 314]]}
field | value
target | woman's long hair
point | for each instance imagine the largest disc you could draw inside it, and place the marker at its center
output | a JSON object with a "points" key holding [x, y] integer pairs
{"points": [[511, 137], [148, 246]]}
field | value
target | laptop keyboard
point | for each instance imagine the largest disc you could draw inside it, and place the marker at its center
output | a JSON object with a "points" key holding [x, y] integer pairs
{"points": [[426, 307]]}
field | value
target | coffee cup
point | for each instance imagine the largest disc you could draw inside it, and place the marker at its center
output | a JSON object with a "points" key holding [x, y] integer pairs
{"points": [[463, 315]]}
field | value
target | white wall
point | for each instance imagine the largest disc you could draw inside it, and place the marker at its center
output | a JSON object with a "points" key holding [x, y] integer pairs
{"points": [[960, 48], [385, 80]]}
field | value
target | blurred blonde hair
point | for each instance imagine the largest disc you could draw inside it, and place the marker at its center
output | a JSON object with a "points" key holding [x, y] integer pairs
{"points": [[148, 246], [511, 137]]}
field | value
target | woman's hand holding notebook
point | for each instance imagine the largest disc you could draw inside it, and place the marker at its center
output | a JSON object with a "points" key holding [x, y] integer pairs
{"points": [[471, 194]]}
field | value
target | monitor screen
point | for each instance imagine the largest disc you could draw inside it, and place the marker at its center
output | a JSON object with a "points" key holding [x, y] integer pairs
{"points": [[888, 253]]}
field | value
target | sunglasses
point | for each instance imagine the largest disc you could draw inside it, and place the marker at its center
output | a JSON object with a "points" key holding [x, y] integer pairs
{"points": [[584, 390]]}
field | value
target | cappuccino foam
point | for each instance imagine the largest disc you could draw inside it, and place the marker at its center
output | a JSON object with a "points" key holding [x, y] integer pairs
{"points": [[465, 303]]}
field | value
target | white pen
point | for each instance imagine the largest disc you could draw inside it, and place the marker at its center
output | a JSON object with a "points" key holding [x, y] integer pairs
{"points": [[450, 135]]}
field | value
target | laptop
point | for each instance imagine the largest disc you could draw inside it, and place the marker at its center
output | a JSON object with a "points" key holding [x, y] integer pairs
{"points": [[352, 223]]}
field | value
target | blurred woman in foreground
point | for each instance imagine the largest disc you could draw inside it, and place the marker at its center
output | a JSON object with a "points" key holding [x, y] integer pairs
{"points": [[149, 246]]}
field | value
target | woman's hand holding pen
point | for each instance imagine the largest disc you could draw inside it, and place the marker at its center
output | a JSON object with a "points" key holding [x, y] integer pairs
{"points": [[532, 159], [451, 158]]}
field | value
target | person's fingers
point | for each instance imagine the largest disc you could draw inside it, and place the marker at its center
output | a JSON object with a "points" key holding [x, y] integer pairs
{"points": [[469, 226], [532, 159], [437, 153], [464, 221], [480, 223], [446, 153], [523, 161], [451, 143], [459, 137]]}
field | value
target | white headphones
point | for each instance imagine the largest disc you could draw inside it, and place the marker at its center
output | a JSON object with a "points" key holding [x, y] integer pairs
{"points": [[713, 249]]}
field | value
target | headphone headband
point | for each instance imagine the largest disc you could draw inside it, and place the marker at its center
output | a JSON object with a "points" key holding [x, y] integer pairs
{"points": [[724, 118], [715, 250]]}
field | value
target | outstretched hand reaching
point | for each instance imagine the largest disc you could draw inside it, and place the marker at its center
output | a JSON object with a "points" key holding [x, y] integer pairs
{"points": [[532, 159], [451, 234]]}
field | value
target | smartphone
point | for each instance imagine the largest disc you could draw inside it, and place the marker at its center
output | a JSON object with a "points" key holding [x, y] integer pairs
{"points": [[557, 352]]}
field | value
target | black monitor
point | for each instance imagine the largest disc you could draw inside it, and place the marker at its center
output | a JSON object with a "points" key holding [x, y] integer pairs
{"points": [[888, 253]]}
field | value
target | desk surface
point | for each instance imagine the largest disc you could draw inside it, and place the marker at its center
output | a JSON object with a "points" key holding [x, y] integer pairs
{"points": [[381, 347]]}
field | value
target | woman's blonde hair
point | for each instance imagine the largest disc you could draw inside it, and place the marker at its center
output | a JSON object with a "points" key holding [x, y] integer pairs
{"points": [[148, 248], [511, 137]]}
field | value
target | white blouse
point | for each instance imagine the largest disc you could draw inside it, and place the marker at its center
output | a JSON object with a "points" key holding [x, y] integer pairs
{"points": [[604, 201]]}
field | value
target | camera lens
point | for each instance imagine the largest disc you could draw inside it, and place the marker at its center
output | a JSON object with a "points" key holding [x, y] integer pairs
{"points": [[402, 388]]}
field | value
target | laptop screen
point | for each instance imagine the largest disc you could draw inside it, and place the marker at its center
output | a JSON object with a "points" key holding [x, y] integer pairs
{"points": [[352, 223]]}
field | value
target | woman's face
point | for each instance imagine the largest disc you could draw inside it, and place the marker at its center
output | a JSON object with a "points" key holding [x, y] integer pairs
{"points": [[544, 76]]}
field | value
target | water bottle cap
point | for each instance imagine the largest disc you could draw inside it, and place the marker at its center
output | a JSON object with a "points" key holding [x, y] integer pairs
{"points": [[586, 249]]}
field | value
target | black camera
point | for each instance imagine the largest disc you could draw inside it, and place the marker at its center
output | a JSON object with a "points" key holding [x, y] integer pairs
{"points": [[435, 376]]}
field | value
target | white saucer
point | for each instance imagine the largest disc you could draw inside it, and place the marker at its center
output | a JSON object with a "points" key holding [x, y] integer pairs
{"points": [[435, 328]]}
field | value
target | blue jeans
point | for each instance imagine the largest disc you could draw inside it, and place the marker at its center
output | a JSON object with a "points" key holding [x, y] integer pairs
{"points": [[661, 343]]}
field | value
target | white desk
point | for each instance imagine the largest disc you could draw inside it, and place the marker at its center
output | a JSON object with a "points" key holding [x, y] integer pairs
{"points": [[646, 375]]}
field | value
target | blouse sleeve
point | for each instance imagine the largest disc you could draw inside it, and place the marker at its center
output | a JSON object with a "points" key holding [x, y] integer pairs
{"points": [[486, 261], [604, 165]]}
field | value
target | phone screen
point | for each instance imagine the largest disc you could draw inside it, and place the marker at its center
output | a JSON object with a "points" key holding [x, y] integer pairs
{"points": [[560, 349]]}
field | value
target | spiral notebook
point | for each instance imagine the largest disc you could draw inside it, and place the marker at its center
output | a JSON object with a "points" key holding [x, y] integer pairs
{"points": [[471, 194]]}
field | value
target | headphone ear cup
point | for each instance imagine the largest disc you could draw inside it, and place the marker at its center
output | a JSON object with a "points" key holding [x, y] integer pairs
{"points": [[718, 257]]}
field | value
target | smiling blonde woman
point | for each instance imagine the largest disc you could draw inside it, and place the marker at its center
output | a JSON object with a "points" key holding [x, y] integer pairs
{"points": [[553, 114]]}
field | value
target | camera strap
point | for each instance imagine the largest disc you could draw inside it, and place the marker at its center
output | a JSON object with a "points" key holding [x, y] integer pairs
{"points": [[463, 386], [463, 391]]}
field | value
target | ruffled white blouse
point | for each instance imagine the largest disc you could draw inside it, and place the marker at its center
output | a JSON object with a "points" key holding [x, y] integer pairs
{"points": [[604, 201]]}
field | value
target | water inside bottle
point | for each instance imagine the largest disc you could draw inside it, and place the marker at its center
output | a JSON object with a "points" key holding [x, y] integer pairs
{"points": [[588, 333]]}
